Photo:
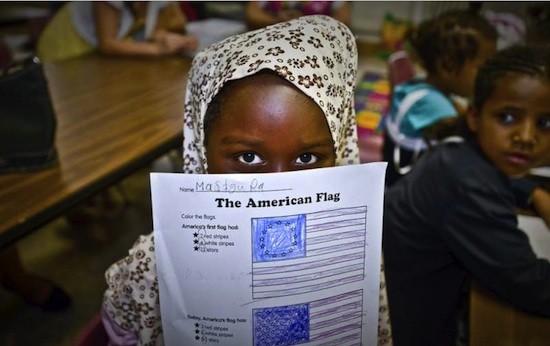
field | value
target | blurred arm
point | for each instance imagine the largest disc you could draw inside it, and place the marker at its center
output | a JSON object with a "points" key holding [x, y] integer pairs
{"points": [[107, 19], [541, 202]]}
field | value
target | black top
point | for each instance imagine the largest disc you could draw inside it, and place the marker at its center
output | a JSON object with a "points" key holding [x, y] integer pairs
{"points": [[454, 216]]}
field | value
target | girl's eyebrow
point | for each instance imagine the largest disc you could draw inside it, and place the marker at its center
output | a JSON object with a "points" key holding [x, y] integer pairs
{"points": [[318, 144], [509, 108], [240, 140], [229, 140], [518, 109]]}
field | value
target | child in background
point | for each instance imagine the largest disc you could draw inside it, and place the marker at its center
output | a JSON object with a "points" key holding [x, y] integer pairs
{"points": [[244, 95], [453, 217], [119, 28], [259, 14], [450, 48], [131, 28]]}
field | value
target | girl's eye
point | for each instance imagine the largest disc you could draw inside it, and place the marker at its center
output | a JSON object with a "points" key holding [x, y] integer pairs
{"points": [[544, 122], [250, 159], [306, 159], [506, 118]]}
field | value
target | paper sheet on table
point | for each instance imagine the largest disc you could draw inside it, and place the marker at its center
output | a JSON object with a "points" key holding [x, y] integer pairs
{"points": [[264, 259], [212, 30], [538, 233]]}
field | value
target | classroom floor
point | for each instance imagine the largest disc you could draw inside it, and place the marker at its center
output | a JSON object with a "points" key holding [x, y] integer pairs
{"points": [[75, 257]]}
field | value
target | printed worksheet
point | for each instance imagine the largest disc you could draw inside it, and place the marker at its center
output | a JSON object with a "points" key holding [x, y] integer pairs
{"points": [[270, 259], [538, 233]]}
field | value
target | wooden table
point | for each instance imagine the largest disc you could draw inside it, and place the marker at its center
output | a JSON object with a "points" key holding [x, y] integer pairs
{"points": [[493, 321], [114, 116], [20, 13]]}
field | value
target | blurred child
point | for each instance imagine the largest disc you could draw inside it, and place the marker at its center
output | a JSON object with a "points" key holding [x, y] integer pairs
{"points": [[453, 217], [450, 48], [134, 28], [121, 28], [244, 95], [263, 13]]}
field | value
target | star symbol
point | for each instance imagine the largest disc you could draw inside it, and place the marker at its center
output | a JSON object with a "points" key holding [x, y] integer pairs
{"points": [[196, 325], [196, 241], [195, 234], [196, 248], [197, 337]]}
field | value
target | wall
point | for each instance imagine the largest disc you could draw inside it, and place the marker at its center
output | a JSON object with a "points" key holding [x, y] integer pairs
{"points": [[368, 15]]}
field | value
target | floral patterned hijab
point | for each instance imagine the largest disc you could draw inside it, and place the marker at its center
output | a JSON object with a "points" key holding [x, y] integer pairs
{"points": [[317, 54]]}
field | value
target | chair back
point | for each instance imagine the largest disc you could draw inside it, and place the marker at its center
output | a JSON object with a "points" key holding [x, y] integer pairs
{"points": [[400, 69], [6, 55], [35, 28]]}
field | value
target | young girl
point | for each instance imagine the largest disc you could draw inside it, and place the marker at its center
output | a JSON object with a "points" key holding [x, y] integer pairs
{"points": [[157, 28], [454, 216], [450, 48], [272, 100]]}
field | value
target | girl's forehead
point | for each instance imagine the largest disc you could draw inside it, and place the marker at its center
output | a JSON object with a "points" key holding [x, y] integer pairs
{"points": [[531, 94], [262, 77], [267, 109], [267, 93], [261, 83], [521, 84]]}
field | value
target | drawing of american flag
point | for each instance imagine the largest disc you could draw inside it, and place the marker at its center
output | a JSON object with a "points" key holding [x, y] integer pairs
{"points": [[331, 321], [307, 252]]}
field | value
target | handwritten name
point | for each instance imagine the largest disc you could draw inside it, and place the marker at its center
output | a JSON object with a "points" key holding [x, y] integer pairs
{"points": [[229, 186]]}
